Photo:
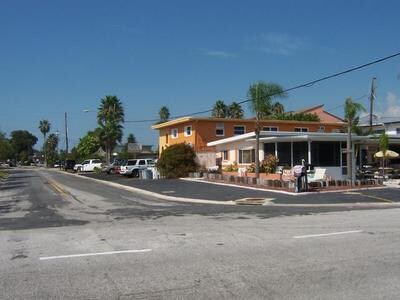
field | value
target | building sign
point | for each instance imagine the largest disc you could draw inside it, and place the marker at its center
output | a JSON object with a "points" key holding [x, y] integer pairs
{"points": [[134, 147]]}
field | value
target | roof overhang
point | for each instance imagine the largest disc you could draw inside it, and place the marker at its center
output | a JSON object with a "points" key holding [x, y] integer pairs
{"points": [[282, 136]]}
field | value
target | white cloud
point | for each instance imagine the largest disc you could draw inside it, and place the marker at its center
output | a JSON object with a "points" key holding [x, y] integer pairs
{"points": [[392, 106], [389, 109], [279, 43], [219, 54]]}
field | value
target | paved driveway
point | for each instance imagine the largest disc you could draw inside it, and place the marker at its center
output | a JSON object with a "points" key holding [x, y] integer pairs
{"points": [[208, 191]]}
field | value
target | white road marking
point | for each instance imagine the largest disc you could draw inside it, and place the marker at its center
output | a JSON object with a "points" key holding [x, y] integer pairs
{"points": [[94, 254], [168, 192], [326, 234]]}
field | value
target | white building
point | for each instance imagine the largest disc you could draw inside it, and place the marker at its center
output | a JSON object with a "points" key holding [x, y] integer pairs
{"points": [[325, 150]]}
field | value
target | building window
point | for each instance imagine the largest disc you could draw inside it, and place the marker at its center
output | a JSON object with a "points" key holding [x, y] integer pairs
{"points": [[247, 156], [285, 154], [300, 151], [325, 154], [269, 148], [300, 129], [397, 130], [225, 155], [174, 133], [188, 130], [239, 130], [219, 129], [270, 128], [321, 129]]}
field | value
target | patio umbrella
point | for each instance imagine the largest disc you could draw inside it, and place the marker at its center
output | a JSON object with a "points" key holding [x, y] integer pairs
{"points": [[388, 154]]}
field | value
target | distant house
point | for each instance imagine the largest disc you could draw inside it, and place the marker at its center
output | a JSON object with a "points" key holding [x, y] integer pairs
{"points": [[199, 132]]}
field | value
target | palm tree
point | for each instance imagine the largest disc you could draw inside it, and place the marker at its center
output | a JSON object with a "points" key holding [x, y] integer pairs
{"points": [[219, 110], [383, 146], [164, 114], [235, 111], [351, 111], [261, 95], [277, 109], [110, 115], [131, 138], [44, 127]]}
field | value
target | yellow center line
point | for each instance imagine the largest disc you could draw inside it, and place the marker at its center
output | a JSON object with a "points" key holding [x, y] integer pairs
{"points": [[378, 198], [56, 187]]}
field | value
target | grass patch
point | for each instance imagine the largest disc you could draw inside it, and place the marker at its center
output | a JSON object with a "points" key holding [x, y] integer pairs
{"points": [[3, 174]]}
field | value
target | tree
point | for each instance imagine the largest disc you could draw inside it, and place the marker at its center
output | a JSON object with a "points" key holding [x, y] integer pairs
{"points": [[44, 127], [351, 111], [51, 145], [235, 111], [177, 160], [89, 144], [220, 110], [261, 95], [131, 138], [110, 116], [384, 146], [22, 142], [5, 147], [278, 109], [163, 114]]}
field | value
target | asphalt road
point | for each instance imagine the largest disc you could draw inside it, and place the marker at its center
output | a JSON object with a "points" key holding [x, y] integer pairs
{"points": [[61, 237]]}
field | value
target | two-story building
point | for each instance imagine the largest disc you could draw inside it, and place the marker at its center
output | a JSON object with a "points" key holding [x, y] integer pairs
{"points": [[199, 131]]}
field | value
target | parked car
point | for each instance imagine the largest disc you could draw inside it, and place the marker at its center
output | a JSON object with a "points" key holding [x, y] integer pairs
{"points": [[88, 165], [133, 166], [69, 164], [114, 168]]}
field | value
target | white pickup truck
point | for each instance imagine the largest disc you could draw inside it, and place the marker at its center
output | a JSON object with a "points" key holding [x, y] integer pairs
{"points": [[88, 165]]}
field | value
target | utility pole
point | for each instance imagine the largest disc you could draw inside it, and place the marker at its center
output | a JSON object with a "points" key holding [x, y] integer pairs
{"points": [[371, 103], [66, 136]]}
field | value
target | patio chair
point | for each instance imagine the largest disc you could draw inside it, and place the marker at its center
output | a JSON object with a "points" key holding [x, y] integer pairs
{"points": [[319, 175]]}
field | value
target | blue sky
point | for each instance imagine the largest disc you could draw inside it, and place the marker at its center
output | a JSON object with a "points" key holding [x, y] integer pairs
{"points": [[64, 56]]}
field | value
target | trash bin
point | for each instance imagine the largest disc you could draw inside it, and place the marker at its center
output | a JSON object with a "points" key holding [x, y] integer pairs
{"points": [[146, 174]]}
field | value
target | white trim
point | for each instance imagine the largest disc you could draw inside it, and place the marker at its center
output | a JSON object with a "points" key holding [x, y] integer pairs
{"points": [[244, 127], [277, 128], [172, 133], [185, 132], [302, 129], [219, 128]]}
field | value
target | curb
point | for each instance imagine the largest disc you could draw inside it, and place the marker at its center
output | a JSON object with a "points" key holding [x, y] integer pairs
{"points": [[152, 194], [280, 191], [268, 201]]}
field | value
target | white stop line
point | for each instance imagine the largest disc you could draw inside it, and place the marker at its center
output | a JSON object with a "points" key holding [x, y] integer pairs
{"points": [[326, 234], [94, 254]]}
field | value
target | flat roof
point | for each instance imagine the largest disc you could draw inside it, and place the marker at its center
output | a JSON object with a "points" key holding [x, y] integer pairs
{"points": [[252, 120], [301, 136]]}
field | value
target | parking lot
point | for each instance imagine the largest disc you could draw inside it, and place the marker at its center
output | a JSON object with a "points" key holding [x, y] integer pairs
{"points": [[217, 192]]}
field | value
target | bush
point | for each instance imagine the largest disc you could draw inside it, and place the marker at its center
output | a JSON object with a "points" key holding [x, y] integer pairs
{"points": [[177, 161], [232, 168], [268, 165]]}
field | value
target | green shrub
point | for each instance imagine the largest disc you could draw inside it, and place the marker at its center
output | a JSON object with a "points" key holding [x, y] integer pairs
{"points": [[177, 161], [232, 168], [269, 164], [97, 170]]}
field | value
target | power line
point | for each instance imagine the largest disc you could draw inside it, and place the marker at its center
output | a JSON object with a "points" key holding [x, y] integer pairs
{"points": [[307, 84]]}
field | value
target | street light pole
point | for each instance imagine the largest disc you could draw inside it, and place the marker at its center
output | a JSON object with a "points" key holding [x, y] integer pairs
{"points": [[66, 135]]}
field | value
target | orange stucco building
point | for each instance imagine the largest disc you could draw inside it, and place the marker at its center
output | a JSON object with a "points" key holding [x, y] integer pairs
{"points": [[198, 131]]}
